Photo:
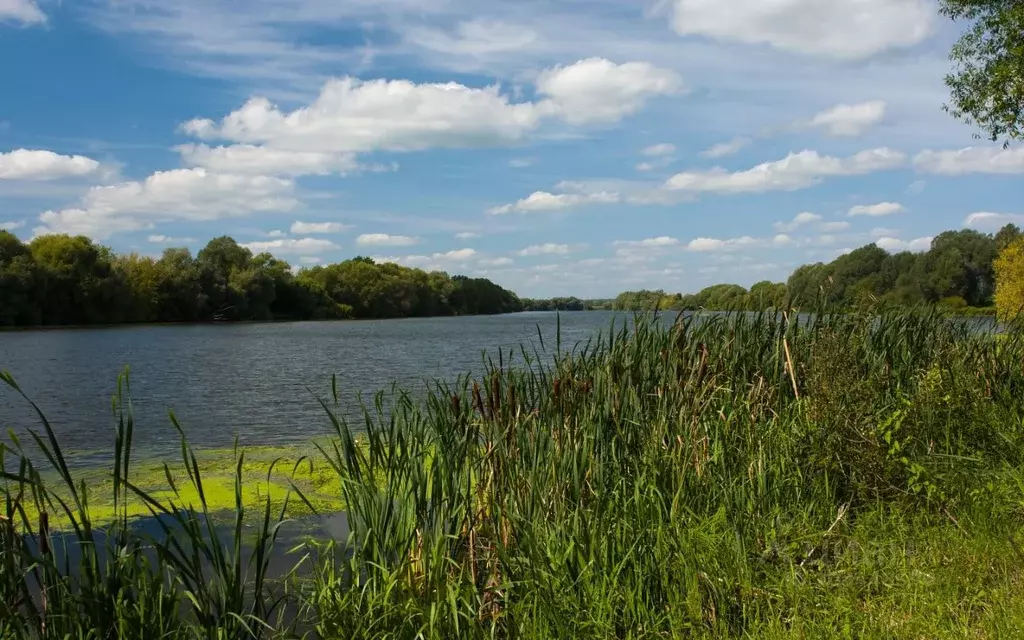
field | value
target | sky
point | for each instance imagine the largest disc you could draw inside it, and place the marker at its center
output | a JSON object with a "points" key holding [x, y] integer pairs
{"points": [[557, 147]]}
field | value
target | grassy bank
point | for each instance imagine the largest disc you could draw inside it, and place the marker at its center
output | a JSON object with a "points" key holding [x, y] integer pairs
{"points": [[729, 477]]}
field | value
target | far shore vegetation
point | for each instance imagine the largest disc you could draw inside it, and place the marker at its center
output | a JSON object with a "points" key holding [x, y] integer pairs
{"points": [[59, 280]]}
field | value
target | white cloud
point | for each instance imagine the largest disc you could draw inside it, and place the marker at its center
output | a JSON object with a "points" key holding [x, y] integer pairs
{"points": [[353, 116], [521, 163], [839, 225], [598, 90], [25, 12], [466, 235], [799, 220], [876, 210], [796, 171], [291, 246], [782, 240], [385, 240], [655, 163], [40, 164], [247, 158], [433, 262], [162, 239], [660, 241], [12, 225], [663, 149], [848, 120], [844, 29], [276, 233], [723, 149], [166, 196], [971, 160], [545, 201], [496, 262], [455, 254], [545, 249], [881, 232], [715, 244], [895, 245], [989, 221], [306, 228]]}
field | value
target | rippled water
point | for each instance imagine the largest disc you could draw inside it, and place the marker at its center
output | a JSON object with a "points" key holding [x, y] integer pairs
{"points": [[249, 380]]}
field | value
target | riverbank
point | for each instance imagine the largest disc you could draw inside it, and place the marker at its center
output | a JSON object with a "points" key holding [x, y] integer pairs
{"points": [[742, 476]]}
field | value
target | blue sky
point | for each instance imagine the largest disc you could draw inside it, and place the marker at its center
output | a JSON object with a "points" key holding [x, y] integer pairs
{"points": [[558, 147]]}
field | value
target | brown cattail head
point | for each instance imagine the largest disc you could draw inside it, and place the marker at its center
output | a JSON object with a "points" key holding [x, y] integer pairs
{"points": [[556, 388], [495, 398], [456, 405], [44, 533], [478, 401]]}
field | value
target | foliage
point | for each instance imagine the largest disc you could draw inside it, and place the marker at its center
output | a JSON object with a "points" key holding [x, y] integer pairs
{"points": [[741, 476], [60, 280], [987, 83], [955, 274], [1009, 267]]}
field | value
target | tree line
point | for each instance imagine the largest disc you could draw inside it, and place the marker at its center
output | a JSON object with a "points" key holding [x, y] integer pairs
{"points": [[69, 280], [964, 271]]}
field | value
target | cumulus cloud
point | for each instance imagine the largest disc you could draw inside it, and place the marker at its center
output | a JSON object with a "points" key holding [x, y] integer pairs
{"points": [[162, 239], [352, 116], [248, 158], [971, 160], [40, 164], [496, 262], [307, 228], [716, 244], [723, 149], [11, 225], [434, 262], [466, 235], [989, 221], [545, 249], [838, 225], [24, 12], [656, 150], [660, 241], [291, 246], [385, 240], [545, 201], [799, 220], [598, 90], [895, 245], [167, 196], [844, 29], [796, 171], [848, 120], [876, 210]]}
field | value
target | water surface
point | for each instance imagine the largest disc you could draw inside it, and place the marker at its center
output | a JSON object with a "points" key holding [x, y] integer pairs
{"points": [[258, 382]]}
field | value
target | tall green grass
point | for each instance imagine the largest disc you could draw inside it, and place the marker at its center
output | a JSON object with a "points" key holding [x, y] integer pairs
{"points": [[732, 476]]}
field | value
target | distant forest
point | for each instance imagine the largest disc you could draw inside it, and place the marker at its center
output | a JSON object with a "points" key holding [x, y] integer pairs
{"points": [[65, 280], [958, 272]]}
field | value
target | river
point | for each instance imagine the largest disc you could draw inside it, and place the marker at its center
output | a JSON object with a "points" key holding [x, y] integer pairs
{"points": [[258, 382]]}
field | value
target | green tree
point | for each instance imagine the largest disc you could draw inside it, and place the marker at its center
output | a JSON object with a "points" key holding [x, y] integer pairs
{"points": [[987, 81], [17, 282], [1007, 236]]}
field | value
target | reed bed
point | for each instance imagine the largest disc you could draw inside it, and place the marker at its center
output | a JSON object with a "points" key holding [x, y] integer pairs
{"points": [[731, 476]]}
